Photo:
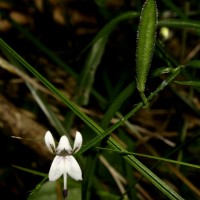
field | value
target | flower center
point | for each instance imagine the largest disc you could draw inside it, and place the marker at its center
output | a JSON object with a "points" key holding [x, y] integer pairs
{"points": [[65, 153]]}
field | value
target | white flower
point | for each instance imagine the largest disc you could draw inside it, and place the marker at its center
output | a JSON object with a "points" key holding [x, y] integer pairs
{"points": [[64, 163]]}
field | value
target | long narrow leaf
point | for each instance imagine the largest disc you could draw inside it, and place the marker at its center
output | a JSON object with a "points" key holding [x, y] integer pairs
{"points": [[116, 104], [153, 157], [179, 23], [190, 83], [88, 74], [110, 26]]}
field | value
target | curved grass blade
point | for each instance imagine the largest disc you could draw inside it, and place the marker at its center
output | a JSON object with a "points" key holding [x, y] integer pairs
{"points": [[46, 108], [152, 157], [165, 56], [119, 100], [111, 25], [181, 24], [194, 64], [87, 76], [190, 83], [88, 179], [30, 171], [162, 70], [191, 74]]}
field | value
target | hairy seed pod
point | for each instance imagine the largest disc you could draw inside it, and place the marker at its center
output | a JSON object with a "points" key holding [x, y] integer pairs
{"points": [[145, 42]]}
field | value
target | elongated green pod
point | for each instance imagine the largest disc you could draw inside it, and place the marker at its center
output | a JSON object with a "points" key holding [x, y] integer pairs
{"points": [[145, 42]]}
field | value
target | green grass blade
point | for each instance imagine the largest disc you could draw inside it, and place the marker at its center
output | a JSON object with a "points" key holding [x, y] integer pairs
{"points": [[190, 83], [111, 25], [194, 64], [165, 56], [119, 100], [180, 24], [89, 176], [153, 157], [46, 108], [30, 171], [87, 76], [189, 75]]}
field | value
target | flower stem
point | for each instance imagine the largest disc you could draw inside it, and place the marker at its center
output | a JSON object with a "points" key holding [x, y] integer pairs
{"points": [[144, 99], [65, 192]]}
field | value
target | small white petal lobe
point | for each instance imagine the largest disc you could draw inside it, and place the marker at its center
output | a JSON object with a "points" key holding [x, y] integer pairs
{"points": [[64, 145], [49, 141], [78, 142]]}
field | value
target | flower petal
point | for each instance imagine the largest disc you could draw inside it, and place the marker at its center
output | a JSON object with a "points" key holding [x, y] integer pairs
{"points": [[73, 168], [58, 167], [64, 145], [49, 141], [78, 142]]}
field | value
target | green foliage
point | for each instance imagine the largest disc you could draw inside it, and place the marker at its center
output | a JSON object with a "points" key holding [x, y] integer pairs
{"points": [[116, 127], [130, 158]]}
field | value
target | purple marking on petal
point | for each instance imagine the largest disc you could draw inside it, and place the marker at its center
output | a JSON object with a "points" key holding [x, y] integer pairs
{"points": [[65, 193]]}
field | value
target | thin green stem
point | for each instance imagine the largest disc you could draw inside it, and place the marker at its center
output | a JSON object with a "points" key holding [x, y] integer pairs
{"points": [[144, 99]]}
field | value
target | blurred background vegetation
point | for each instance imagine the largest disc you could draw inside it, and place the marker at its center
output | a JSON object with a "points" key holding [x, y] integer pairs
{"points": [[55, 37]]}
